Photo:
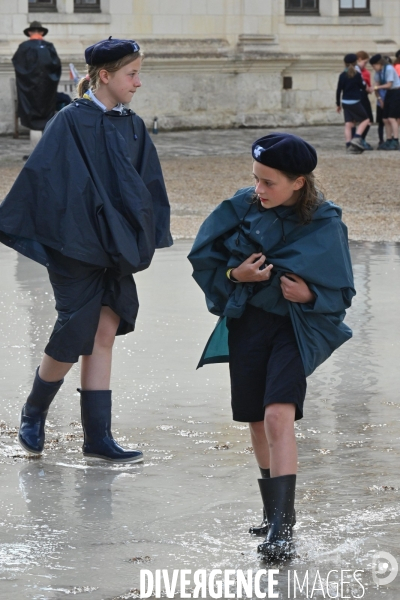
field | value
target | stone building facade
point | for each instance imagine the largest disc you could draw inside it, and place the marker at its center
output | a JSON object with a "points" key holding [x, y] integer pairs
{"points": [[215, 63]]}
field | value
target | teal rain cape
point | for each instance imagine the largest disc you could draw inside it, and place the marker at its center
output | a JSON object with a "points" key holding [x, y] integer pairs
{"points": [[318, 252]]}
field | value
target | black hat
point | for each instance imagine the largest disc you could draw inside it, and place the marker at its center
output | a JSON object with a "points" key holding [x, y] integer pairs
{"points": [[350, 58], [285, 152], [375, 59], [110, 50], [35, 25]]}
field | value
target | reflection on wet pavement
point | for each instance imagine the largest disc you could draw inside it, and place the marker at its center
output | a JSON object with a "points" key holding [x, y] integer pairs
{"points": [[76, 527]]}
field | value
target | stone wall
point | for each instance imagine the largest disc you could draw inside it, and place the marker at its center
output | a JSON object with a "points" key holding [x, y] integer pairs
{"points": [[214, 63]]}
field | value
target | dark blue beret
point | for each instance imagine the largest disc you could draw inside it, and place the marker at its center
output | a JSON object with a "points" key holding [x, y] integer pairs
{"points": [[109, 50], [285, 152], [350, 58], [375, 59]]}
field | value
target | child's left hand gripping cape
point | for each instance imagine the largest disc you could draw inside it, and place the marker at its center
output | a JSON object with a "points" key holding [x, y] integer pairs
{"points": [[317, 252], [93, 190]]}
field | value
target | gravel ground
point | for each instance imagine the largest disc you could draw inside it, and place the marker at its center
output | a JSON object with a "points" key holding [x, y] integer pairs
{"points": [[203, 168]]}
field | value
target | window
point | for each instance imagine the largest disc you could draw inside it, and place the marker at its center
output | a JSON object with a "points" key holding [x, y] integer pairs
{"points": [[354, 7], [87, 5], [42, 5], [305, 7], [287, 83]]}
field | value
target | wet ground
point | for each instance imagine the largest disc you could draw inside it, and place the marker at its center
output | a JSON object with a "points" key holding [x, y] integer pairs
{"points": [[71, 527]]}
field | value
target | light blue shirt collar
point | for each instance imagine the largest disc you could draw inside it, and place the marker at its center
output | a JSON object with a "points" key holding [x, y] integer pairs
{"points": [[119, 107]]}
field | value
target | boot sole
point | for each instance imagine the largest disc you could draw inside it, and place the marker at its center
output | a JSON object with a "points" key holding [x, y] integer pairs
{"points": [[275, 553], [29, 450], [114, 460]]}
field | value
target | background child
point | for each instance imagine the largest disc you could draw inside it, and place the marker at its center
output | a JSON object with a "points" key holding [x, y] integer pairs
{"points": [[386, 78], [362, 60], [397, 63], [274, 264], [90, 204], [349, 92]]}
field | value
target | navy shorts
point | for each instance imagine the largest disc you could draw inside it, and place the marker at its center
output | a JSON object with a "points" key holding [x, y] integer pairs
{"points": [[80, 292], [265, 365], [391, 104]]}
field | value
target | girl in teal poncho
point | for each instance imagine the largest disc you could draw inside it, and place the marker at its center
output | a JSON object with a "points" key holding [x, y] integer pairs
{"points": [[274, 264]]}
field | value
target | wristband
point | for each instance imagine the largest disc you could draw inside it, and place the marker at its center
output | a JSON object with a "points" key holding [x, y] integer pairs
{"points": [[228, 274]]}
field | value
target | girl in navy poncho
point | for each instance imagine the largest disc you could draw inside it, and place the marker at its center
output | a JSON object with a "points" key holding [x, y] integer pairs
{"points": [[91, 206], [274, 264]]}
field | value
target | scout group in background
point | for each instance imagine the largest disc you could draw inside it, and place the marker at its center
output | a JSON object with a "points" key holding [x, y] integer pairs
{"points": [[274, 264], [352, 95], [90, 205]]}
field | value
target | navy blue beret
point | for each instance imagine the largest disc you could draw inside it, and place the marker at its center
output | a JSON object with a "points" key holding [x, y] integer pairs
{"points": [[285, 152], [350, 58], [109, 50], [375, 59]]}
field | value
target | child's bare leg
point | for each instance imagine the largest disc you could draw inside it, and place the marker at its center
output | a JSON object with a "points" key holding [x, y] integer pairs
{"points": [[259, 443], [347, 131], [395, 128], [388, 128], [362, 127], [96, 368], [52, 370], [279, 429]]}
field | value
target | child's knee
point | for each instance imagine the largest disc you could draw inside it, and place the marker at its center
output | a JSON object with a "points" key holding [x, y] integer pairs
{"points": [[104, 338], [278, 417], [105, 335]]}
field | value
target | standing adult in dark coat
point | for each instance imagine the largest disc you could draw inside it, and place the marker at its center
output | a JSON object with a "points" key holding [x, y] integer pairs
{"points": [[37, 71]]}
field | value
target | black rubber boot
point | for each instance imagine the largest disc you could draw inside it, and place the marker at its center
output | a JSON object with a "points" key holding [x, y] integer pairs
{"points": [[96, 422], [278, 498], [263, 528], [34, 413]]}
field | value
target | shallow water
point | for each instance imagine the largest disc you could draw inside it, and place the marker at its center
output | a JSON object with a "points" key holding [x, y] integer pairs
{"points": [[71, 527]]}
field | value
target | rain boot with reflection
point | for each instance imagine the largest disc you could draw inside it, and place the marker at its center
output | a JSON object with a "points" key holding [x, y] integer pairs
{"points": [[96, 422], [34, 412], [278, 498]]}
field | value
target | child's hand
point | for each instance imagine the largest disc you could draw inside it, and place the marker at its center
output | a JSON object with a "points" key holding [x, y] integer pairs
{"points": [[338, 109], [250, 270], [295, 289]]}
